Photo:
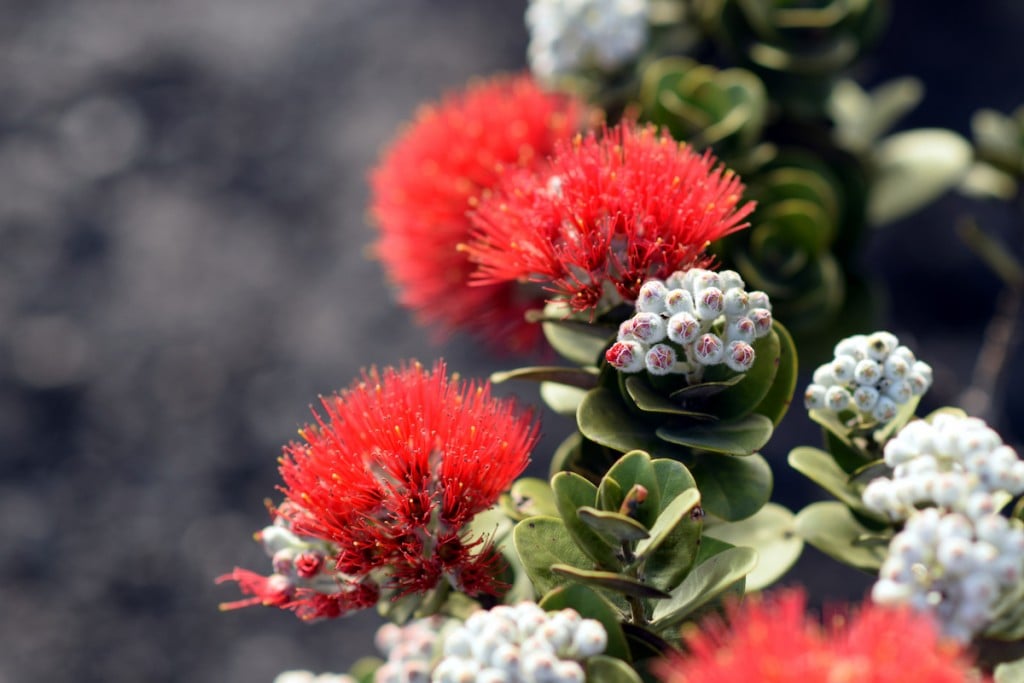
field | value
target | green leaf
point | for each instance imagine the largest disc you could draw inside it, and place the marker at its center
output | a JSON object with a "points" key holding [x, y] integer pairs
{"points": [[821, 468], [831, 528], [776, 402], [669, 553], [591, 605], [771, 531], [619, 583], [706, 582], [571, 493], [531, 496], [649, 400], [914, 168], [609, 494], [632, 469], [603, 418], [542, 542], [562, 399], [1010, 672], [582, 378], [576, 340], [602, 669], [612, 526], [673, 478], [742, 398], [742, 436], [732, 488]]}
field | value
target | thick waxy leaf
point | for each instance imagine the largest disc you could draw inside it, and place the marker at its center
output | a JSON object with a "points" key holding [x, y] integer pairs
{"points": [[698, 392], [602, 669], [582, 378], [673, 478], [732, 488], [609, 494], [575, 340], [675, 540], [571, 493], [603, 418], [542, 542], [821, 468], [1010, 672], [613, 527], [562, 399], [772, 533], [831, 528], [742, 398], [620, 583], [531, 496], [914, 168], [591, 605], [649, 400], [707, 581], [776, 402], [741, 436], [636, 469]]}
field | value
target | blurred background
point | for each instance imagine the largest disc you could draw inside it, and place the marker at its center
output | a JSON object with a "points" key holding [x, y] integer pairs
{"points": [[183, 269]]}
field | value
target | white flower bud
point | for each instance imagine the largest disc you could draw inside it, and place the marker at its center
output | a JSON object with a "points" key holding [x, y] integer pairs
{"points": [[506, 657], [735, 303], [569, 672], [709, 349], [879, 345], [896, 368], [814, 397], [683, 328], [651, 298], [648, 327], [887, 592], [837, 399], [538, 665], [954, 554], [739, 356], [741, 329], [885, 410], [679, 301], [823, 375], [843, 368], [703, 279], [865, 398], [730, 279], [660, 359], [758, 299], [590, 639], [710, 303], [852, 347], [626, 356], [867, 372], [899, 391], [494, 676], [762, 319]]}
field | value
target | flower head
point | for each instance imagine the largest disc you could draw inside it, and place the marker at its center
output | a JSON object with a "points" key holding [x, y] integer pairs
{"points": [[771, 640], [607, 214], [399, 464], [426, 182]]}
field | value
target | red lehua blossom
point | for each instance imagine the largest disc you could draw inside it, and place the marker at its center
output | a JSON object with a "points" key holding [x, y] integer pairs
{"points": [[616, 211], [399, 464], [308, 604], [771, 640], [426, 183]]}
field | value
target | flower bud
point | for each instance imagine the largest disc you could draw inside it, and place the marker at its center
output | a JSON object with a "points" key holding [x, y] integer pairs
{"points": [[626, 356], [730, 279], [648, 327], [758, 299], [762, 319], [867, 372], [814, 397], [709, 349], [679, 301], [683, 328], [865, 398], [651, 298], [837, 399], [739, 356], [710, 303], [843, 368], [741, 329], [660, 359], [735, 303]]}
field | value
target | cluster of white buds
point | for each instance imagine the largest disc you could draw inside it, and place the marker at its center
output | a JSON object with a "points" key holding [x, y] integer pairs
{"points": [[299, 561], [571, 36], [410, 649], [520, 644], [958, 557], [956, 463], [300, 676], [871, 375], [957, 568], [692, 320]]}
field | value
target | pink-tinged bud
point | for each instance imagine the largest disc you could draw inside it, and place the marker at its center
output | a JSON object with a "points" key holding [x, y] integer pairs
{"points": [[679, 301], [709, 349], [758, 299], [282, 560], [735, 303], [814, 397], [651, 298], [648, 327], [683, 328], [626, 356], [741, 329], [710, 303], [660, 359], [739, 356], [762, 318], [309, 563]]}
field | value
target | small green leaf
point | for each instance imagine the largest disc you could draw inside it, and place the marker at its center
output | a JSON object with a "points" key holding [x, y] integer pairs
{"points": [[675, 539], [609, 494], [776, 402], [620, 583], [571, 493], [582, 378], [604, 419], [632, 469], [562, 399], [697, 392], [531, 496], [742, 398], [591, 605], [649, 400], [576, 340], [706, 582], [742, 436], [615, 528], [602, 669], [831, 528], [771, 531], [821, 468], [542, 542], [732, 488], [1010, 672]]}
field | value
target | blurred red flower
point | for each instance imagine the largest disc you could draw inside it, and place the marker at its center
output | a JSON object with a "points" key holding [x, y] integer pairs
{"points": [[606, 213], [398, 466], [771, 640], [425, 184]]}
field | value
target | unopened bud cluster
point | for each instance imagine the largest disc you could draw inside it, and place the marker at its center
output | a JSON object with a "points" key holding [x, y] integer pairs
{"points": [[692, 320], [410, 650], [871, 375], [957, 558], [300, 676], [520, 644], [298, 561]]}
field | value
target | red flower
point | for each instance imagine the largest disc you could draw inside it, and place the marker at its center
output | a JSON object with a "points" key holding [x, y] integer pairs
{"points": [[278, 590], [397, 467], [771, 640], [426, 183], [613, 212]]}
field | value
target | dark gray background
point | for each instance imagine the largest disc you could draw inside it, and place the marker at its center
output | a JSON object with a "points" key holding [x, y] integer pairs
{"points": [[183, 270]]}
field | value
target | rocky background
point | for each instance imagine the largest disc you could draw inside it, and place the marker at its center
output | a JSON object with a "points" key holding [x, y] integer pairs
{"points": [[183, 270]]}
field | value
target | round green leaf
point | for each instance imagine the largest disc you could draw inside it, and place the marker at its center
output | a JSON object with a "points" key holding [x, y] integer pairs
{"points": [[571, 493], [612, 526], [674, 542], [632, 469], [604, 419], [742, 398], [831, 528], [706, 582], [771, 531], [673, 478], [561, 398], [542, 542], [821, 468], [582, 378], [601, 669], [775, 403], [650, 401], [732, 488], [742, 436]]}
